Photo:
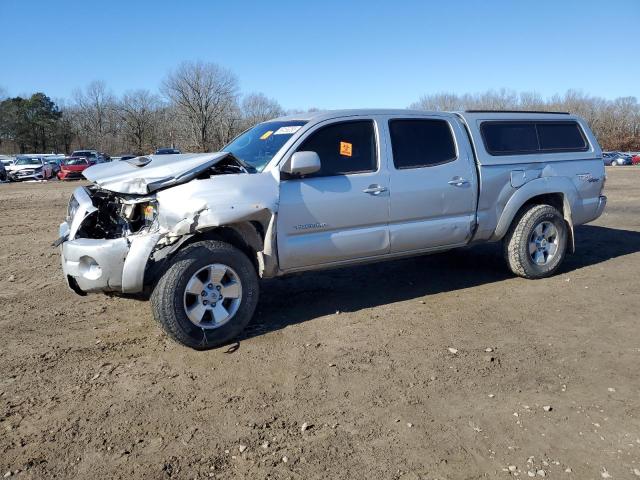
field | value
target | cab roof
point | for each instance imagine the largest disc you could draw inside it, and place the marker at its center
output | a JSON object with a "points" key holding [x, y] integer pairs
{"points": [[466, 114], [329, 114]]}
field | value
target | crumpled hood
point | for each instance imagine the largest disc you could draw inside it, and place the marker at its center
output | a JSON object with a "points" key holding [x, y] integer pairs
{"points": [[161, 171]]}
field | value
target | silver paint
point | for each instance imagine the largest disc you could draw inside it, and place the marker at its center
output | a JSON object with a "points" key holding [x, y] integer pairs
{"points": [[318, 222], [161, 171]]}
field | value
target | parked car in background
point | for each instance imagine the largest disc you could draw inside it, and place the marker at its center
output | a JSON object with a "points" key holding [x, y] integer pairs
{"points": [[92, 155], [72, 168], [607, 157], [168, 151], [28, 167], [7, 160], [617, 159], [55, 162], [635, 160], [3, 173]]}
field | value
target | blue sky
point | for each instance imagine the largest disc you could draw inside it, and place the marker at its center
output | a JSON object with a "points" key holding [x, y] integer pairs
{"points": [[330, 53]]}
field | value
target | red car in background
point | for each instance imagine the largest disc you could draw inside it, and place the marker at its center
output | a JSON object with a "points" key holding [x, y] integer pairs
{"points": [[72, 168], [635, 160]]}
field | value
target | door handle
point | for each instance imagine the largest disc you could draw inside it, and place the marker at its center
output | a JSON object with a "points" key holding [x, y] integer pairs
{"points": [[458, 182], [375, 189]]}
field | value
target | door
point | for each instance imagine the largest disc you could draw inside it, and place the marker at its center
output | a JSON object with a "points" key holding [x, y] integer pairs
{"points": [[341, 212], [433, 184]]}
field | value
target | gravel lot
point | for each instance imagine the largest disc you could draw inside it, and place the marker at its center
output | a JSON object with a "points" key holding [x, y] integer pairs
{"points": [[544, 380]]}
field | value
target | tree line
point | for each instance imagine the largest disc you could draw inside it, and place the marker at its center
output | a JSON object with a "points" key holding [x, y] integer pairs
{"points": [[200, 108], [615, 123]]}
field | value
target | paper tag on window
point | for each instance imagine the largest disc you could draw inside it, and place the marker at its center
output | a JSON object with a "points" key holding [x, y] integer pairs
{"points": [[346, 149], [266, 135], [287, 130]]}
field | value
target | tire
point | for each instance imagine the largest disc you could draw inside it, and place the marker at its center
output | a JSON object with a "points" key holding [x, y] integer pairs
{"points": [[524, 248], [170, 298]]}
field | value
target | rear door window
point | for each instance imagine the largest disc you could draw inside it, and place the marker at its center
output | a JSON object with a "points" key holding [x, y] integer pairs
{"points": [[421, 143], [344, 148]]}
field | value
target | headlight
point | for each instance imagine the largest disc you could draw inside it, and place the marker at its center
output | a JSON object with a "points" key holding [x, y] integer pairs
{"points": [[149, 212], [145, 211], [72, 208]]}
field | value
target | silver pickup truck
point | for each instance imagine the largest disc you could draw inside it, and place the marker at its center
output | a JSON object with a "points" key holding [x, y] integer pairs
{"points": [[320, 190]]}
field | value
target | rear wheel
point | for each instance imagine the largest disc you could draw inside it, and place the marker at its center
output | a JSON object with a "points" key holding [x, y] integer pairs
{"points": [[536, 243], [207, 296]]}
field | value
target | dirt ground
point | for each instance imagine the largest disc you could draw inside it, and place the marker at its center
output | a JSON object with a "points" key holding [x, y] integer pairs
{"points": [[91, 388]]}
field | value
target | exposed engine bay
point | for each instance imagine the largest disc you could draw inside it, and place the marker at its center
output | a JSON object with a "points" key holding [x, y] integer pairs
{"points": [[116, 215], [119, 215]]}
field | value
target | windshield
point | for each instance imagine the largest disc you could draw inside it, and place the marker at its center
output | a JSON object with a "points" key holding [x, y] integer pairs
{"points": [[28, 161], [258, 145], [76, 161]]}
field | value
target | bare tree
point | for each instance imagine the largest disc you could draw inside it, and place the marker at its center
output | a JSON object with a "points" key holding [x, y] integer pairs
{"points": [[94, 110], [204, 94], [139, 111], [616, 123], [203, 113], [256, 108], [170, 128], [227, 126]]}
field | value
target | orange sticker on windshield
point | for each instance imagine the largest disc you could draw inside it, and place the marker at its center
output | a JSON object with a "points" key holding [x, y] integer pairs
{"points": [[266, 134], [346, 149]]}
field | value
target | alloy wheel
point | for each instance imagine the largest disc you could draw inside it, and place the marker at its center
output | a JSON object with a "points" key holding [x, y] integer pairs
{"points": [[543, 243], [212, 296]]}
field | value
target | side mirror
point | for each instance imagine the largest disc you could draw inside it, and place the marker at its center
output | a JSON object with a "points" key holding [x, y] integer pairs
{"points": [[302, 163]]}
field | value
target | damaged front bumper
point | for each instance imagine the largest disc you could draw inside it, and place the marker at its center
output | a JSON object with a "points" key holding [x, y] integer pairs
{"points": [[102, 265]]}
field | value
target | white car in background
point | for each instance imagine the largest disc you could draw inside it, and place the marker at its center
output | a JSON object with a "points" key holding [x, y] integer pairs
{"points": [[27, 167]]}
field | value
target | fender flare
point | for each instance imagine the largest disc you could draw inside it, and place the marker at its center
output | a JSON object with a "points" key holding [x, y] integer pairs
{"points": [[534, 188], [246, 233]]}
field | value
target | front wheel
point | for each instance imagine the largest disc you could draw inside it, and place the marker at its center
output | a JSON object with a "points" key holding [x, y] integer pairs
{"points": [[536, 243], [207, 296]]}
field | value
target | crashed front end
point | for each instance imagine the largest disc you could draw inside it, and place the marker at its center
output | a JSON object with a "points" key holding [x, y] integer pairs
{"points": [[135, 215], [106, 240]]}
